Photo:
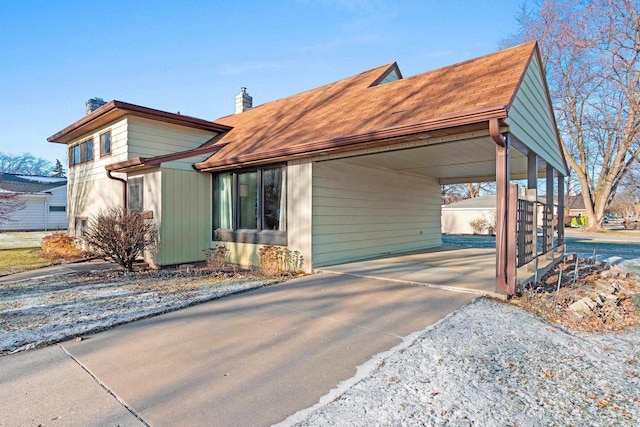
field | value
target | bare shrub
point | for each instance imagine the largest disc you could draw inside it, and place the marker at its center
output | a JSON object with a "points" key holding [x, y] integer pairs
{"points": [[121, 235], [218, 257], [60, 246], [9, 205], [278, 260], [483, 225]]}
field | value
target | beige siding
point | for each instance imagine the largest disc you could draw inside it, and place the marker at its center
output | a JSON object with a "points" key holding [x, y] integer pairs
{"points": [[149, 138], [94, 169], [87, 197], [186, 216], [458, 221], [299, 209], [360, 212], [243, 254], [530, 118]]}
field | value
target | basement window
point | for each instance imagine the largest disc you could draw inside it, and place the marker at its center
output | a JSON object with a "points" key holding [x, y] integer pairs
{"points": [[250, 206]]}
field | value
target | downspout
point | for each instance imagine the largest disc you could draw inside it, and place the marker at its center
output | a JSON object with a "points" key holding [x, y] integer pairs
{"points": [[494, 131], [124, 189]]}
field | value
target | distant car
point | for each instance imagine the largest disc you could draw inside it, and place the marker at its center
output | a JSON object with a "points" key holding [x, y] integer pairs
{"points": [[608, 218]]}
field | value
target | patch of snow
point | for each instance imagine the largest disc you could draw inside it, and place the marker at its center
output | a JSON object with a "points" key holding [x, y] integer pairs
{"points": [[43, 179], [37, 312], [493, 364]]}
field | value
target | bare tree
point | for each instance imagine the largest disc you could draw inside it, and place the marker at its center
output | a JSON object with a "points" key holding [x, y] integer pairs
{"points": [[121, 235], [455, 192], [25, 164], [591, 51], [9, 205]]}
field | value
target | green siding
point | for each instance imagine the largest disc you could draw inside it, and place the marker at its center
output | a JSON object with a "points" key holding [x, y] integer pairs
{"points": [[530, 118], [360, 212], [186, 216]]}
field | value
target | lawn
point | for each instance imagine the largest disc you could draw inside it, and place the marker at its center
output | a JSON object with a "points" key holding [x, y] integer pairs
{"points": [[18, 251], [21, 259]]}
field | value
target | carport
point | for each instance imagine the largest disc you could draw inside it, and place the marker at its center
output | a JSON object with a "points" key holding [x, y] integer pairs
{"points": [[366, 158]]}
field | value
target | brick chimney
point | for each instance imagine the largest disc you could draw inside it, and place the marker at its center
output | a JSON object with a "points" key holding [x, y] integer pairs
{"points": [[93, 104], [243, 101]]}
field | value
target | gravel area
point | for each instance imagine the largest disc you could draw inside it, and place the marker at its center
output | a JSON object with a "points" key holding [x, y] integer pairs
{"points": [[492, 364], [44, 311]]}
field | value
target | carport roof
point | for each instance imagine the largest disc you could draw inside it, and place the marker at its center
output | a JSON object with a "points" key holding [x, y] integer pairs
{"points": [[359, 110]]}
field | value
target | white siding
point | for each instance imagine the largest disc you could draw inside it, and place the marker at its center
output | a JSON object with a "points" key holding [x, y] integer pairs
{"points": [[361, 212], [299, 209], [36, 215], [57, 220], [458, 221]]}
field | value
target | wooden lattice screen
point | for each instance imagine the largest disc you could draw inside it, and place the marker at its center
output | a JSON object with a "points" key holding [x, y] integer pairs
{"points": [[525, 232]]}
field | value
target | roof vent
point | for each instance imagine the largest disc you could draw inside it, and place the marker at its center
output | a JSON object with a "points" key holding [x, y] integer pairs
{"points": [[243, 101], [93, 104]]}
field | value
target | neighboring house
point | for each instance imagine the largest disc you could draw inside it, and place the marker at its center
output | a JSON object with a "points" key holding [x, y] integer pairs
{"points": [[346, 171], [575, 206], [45, 202], [458, 216]]}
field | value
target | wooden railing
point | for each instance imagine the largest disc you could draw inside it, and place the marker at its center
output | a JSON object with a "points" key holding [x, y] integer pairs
{"points": [[526, 236]]}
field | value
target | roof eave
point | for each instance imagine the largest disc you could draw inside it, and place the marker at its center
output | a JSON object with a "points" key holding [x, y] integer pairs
{"points": [[116, 109], [354, 142]]}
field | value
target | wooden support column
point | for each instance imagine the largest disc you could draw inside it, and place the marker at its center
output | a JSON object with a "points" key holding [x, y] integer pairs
{"points": [[503, 173], [512, 218], [561, 211], [532, 196], [549, 202]]}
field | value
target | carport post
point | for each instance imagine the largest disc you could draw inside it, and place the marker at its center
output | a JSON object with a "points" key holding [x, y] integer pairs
{"points": [[561, 212], [532, 196], [550, 204], [502, 189]]}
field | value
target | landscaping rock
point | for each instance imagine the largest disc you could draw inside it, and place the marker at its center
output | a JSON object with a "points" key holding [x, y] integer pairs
{"points": [[583, 305]]}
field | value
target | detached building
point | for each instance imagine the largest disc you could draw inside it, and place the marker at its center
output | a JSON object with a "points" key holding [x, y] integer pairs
{"points": [[44, 201]]}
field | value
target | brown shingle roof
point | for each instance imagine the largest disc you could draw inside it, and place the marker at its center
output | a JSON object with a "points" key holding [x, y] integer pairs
{"points": [[350, 111]]}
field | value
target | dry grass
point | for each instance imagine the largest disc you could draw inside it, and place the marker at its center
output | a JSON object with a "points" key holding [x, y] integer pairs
{"points": [[553, 305], [60, 246], [22, 259]]}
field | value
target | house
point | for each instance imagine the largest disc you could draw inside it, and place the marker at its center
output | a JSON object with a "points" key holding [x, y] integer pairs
{"points": [[44, 202], [458, 217], [346, 171]]}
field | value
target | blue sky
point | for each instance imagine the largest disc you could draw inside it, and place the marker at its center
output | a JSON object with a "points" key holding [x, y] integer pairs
{"points": [[193, 57]]}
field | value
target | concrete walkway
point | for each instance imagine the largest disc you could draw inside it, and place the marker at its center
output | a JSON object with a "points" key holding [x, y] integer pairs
{"points": [[251, 359], [56, 270]]}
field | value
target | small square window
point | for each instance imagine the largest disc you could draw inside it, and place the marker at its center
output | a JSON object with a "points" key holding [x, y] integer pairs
{"points": [[135, 188], [80, 226], [105, 144]]}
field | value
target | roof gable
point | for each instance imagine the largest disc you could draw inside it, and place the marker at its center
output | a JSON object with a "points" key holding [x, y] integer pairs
{"points": [[531, 120], [351, 111]]}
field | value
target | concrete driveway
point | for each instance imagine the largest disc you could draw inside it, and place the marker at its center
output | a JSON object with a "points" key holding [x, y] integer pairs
{"points": [[445, 267], [251, 359]]}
